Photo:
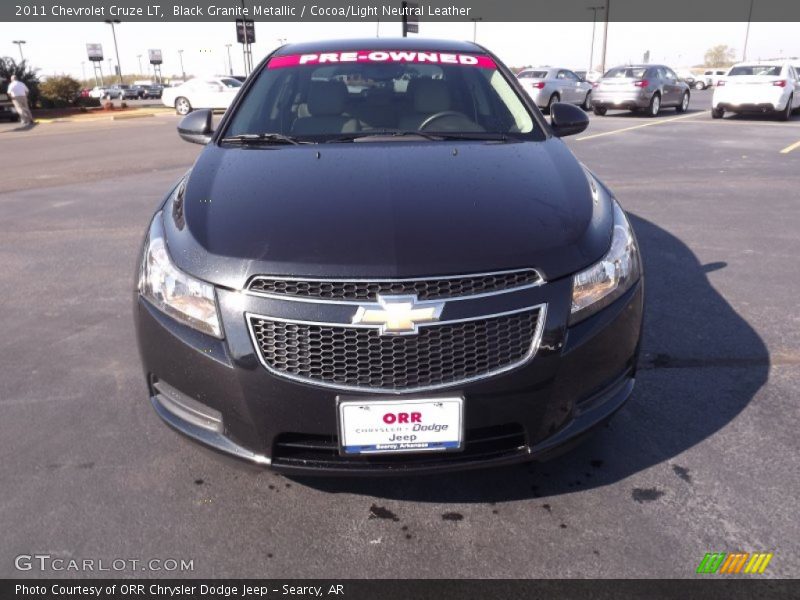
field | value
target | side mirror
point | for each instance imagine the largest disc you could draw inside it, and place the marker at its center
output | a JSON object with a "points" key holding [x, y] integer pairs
{"points": [[196, 127], [567, 119]]}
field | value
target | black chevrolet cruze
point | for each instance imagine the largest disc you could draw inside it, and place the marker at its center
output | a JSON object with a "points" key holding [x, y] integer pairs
{"points": [[385, 260]]}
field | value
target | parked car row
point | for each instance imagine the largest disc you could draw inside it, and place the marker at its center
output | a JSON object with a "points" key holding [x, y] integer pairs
{"points": [[121, 91], [760, 87]]}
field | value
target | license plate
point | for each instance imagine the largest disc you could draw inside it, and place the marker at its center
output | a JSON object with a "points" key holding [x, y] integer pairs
{"points": [[395, 426]]}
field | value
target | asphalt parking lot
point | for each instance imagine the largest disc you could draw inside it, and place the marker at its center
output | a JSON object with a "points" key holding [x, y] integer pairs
{"points": [[702, 459]]}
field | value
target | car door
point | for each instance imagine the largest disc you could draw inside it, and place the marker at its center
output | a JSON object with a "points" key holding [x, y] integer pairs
{"points": [[577, 87], [565, 88], [794, 77], [672, 83]]}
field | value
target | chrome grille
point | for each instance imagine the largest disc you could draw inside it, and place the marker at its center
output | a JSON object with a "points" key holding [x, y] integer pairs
{"points": [[368, 290], [359, 358]]}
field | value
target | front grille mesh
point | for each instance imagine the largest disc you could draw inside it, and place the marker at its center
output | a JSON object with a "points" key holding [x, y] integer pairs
{"points": [[362, 358], [425, 289]]}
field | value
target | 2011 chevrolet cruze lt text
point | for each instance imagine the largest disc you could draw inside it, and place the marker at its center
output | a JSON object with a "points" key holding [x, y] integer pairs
{"points": [[385, 260]]}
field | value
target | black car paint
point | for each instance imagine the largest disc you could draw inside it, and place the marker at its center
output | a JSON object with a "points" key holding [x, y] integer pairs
{"points": [[393, 210]]}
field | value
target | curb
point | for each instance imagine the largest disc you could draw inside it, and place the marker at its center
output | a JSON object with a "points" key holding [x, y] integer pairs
{"points": [[131, 116]]}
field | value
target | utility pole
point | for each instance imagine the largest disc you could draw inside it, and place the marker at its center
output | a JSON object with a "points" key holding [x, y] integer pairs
{"points": [[116, 49], [19, 45], [230, 63], [605, 38], [475, 28], [139, 56], [183, 72], [83, 68], [747, 31], [594, 10]]}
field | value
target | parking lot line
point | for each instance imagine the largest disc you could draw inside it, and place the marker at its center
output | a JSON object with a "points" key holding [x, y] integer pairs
{"points": [[791, 147], [597, 135]]}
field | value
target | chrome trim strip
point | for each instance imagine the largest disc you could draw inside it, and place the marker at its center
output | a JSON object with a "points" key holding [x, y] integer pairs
{"points": [[208, 437], [541, 281], [535, 341]]}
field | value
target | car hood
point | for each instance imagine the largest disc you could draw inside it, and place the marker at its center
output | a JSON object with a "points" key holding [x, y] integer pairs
{"points": [[386, 209]]}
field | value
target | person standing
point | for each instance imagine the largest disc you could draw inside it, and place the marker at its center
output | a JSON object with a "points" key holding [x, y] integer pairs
{"points": [[19, 96]]}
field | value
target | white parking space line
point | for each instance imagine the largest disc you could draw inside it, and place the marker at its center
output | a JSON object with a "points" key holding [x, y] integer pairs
{"points": [[623, 129], [791, 147]]}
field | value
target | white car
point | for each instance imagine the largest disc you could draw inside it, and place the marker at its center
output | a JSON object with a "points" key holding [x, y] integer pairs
{"points": [[712, 77], [201, 92], [761, 87], [98, 92], [548, 85]]}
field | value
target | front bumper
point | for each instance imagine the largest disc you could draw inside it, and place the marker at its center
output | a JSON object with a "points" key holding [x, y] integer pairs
{"points": [[217, 392]]}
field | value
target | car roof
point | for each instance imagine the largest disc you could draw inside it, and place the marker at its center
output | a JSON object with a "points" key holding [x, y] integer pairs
{"points": [[771, 63], [349, 45]]}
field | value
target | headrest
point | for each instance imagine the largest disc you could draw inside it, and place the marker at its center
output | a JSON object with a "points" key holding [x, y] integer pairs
{"points": [[429, 95], [326, 98]]}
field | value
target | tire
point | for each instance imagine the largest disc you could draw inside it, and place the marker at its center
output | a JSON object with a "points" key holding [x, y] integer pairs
{"points": [[553, 99], [587, 102], [699, 85], [599, 110], [717, 113], [655, 106], [786, 113], [182, 106], [684, 105]]}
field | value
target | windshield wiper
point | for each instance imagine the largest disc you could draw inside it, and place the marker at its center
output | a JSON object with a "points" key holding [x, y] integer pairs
{"points": [[437, 136], [351, 137], [261, 138]]}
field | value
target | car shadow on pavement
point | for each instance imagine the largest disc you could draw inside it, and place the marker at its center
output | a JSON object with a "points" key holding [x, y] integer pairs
{"points": [[701, 364], [663, 113]]}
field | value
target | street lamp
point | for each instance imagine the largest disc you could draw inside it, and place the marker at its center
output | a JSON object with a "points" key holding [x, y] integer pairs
{"points": [[605, 37], [19, 45], [475, 28], [747, 31], [83, 68], [112, 22], [230, 62], [139, 56], [183, 72], [594, 10]]}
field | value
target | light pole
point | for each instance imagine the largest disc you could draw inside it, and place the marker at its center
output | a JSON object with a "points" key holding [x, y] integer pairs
{"points": [[747, 31], [112, 22], [230, 62], [83, 68], [605, 38], [139, 56], [19, 45], [475, 28], [183, 72], [594, 10]]}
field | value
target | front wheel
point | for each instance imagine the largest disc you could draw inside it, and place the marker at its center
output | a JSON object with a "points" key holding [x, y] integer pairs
{"points": [[684, 105], [655, 106], [587, 102], [182, 106], [599, 110], [699, 85], [786, 113], [717, 113], [553, 99]]}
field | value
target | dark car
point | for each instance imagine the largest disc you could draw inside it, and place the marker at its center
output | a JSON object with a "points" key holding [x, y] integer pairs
{"points": [[640, 88], [7, 110], [415, 278], [152, 91], [122, 91]]}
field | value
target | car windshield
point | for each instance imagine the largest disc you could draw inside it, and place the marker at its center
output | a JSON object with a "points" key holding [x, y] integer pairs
{"points": [[769, 70], [626, 73], [532, 75], [320, 97]]}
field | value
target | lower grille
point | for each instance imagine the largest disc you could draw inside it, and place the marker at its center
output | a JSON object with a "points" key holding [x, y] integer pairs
{"points": [[322, 451], [360, 358]]}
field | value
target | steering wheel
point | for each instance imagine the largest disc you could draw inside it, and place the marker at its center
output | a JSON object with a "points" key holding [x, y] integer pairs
{"points": [[439, 115]]}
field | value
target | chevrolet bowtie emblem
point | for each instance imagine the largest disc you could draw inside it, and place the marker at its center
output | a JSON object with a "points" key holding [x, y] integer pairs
{"points": [[398, 315]]}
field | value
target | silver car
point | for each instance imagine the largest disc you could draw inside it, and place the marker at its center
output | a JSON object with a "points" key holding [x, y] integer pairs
{"points": [[638, 88], [547, 85]]}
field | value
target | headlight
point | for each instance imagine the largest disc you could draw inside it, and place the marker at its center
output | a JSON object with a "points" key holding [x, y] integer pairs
{"points": [[602, 283], [169, 289]]}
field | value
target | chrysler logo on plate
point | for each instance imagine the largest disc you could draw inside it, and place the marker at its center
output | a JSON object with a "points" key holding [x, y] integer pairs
{"points": [[398, 315]]}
